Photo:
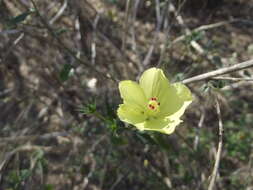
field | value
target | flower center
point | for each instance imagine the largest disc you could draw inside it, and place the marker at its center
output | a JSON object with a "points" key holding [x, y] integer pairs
{"points": [[154, 105]]}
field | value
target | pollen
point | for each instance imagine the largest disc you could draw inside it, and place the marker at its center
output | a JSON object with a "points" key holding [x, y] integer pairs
{"points": [[153, 104]]}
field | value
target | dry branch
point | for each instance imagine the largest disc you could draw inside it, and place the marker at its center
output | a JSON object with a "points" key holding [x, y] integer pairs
{"points": [[218, 155], [218, 72]]}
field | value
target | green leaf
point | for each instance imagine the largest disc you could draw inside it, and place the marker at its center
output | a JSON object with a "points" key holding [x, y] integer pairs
{"points": [[117, 140], [112, 1], [145, 138], [20, 18], [179, 77], [217, 61], [39, 154], [24, 174], [194, 36], [89, 108], [205, 88], [60, 31], [48, 187], [218, 83], [66, 72], [163, 143], [247, 73], [112, 124]]}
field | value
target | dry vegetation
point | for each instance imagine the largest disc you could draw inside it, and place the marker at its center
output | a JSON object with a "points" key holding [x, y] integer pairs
{"points": [[64, 58]]}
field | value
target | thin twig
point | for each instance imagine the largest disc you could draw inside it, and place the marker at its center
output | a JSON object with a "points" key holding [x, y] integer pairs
{"points": [[124, 38], [236, 85], [159, 20], [6, 92], [34, 137], [7, 32], [200, 124], [119, 179], [26, 147], [218, 72], [166, 28], [203, 28], [180, 20], [59, 13], [232, 79], [19, 38], [94, 38], [218, 155], [133, 34], [158, 11]]}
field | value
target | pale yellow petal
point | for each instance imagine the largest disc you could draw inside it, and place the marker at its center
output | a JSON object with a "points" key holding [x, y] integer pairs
{"points": [[176, 116], [185, 95], [170, 102], [132, 93], [183, 91], [152, 82], [131, 114], [163, 125], [155, 84]]}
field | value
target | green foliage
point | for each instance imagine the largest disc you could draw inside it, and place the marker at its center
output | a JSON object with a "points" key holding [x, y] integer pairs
{"points": [[217, 61], [49, 187], [161, 141], [217, 84], [60, 31], [40, 161], [66, 72], [194, 36], [205, 88], [213, 85], [179, 76], [239, 138], [89, 108], [118, 140], [16, 178], [145, 138], [112, 1], [112, 124], [13, 22]]}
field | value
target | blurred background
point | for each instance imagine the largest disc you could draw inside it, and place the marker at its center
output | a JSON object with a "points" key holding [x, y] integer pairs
{"points": [[60, 64]]}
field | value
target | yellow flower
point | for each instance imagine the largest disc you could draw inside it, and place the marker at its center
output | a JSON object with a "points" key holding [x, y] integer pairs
{"points": [[153, 104]]}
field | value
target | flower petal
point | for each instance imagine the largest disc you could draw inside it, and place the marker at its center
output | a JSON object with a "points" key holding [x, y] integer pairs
{"points": [[163, 125], [185, 95], [183, 92], [132, 93], [152, 82], [170, 102], [131, 114]]}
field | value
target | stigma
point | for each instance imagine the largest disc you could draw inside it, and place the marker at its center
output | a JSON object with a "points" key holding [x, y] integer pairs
{"points": [[153, 104]]}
